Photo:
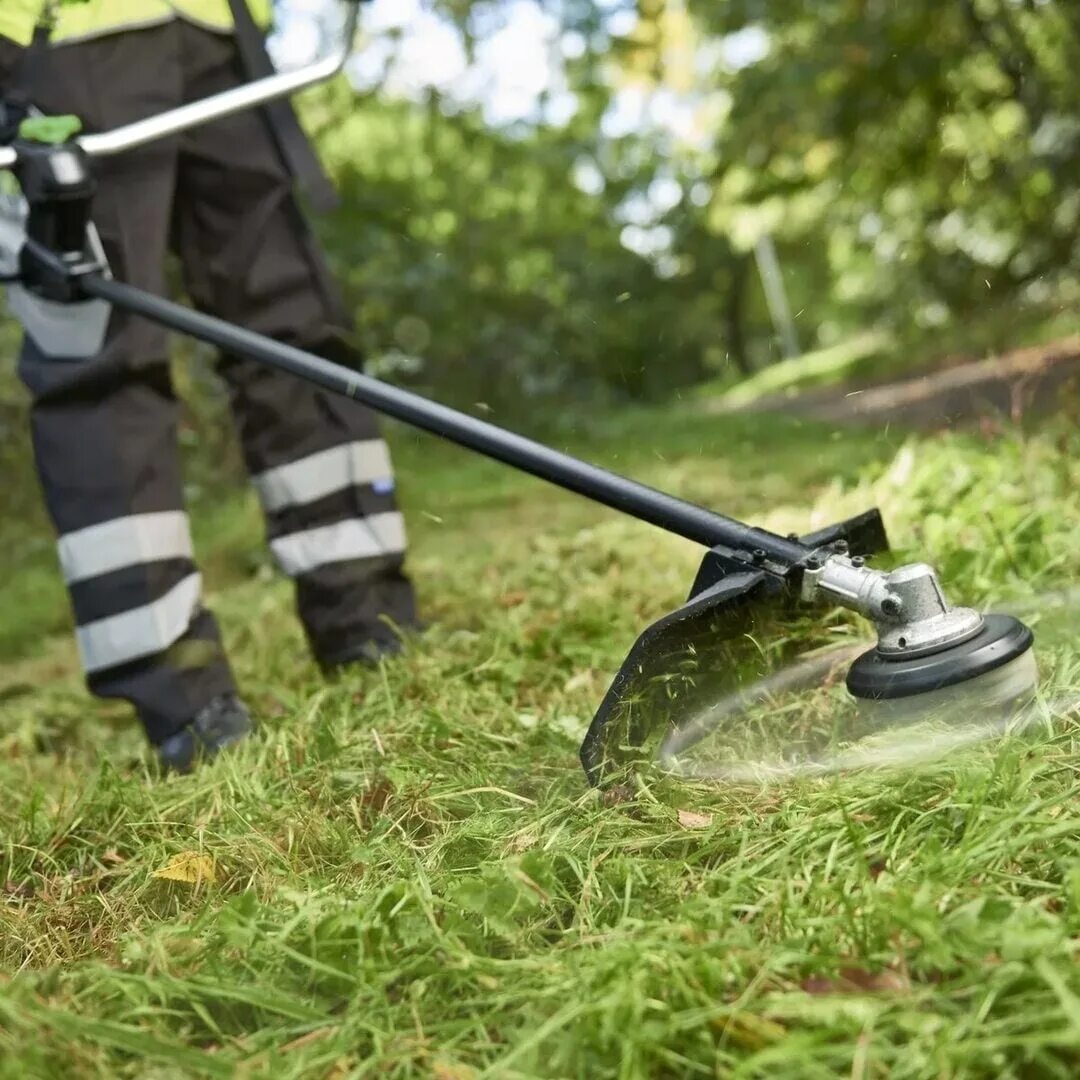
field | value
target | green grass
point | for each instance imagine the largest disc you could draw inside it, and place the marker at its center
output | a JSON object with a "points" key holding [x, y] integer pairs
{"points": [[411, 878], [818, 367]]}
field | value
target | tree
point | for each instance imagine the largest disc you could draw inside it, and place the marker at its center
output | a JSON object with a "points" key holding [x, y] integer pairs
{"points": [[930, 152]]}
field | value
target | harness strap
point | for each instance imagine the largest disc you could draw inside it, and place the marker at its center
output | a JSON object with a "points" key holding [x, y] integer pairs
{"points": [[292, 144], [32, 56]]}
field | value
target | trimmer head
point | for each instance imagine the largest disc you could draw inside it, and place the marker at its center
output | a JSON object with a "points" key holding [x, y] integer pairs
{"points": [[1001, 640], [711, 690]]}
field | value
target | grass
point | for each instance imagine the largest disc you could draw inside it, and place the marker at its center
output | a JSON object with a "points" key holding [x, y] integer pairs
{"points": [[404, 874], [818, 367]]}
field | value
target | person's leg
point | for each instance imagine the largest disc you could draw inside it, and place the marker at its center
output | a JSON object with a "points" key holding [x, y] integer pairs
{"points": [[320, 468], [104, 428]]}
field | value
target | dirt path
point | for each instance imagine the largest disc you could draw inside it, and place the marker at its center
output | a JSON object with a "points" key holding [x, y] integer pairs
{"points": [[1023, 382]]}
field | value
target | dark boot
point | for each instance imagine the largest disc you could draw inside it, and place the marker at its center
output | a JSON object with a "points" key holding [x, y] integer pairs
{"points": [[365, 653], [222, 723]]}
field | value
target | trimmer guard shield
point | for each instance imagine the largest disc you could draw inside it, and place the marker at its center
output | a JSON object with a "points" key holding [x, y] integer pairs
{"points": [[716, 642], [666, 668]]}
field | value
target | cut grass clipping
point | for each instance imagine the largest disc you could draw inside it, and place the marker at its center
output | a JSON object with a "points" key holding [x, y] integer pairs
{"points": [[404, 874]]}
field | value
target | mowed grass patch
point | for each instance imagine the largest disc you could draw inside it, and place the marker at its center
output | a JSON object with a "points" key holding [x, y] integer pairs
{"points": [[405, 875]]}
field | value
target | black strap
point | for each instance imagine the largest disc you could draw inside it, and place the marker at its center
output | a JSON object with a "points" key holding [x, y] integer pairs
{"points": [[292, 144], [32, 58], [16, 95]]}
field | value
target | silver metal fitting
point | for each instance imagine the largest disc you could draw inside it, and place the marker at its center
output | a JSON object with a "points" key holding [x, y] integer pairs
{"points": [[907, 605]]}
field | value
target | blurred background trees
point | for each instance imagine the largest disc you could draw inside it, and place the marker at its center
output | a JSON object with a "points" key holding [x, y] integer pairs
{"points": [[588, 233], [917, 167]]}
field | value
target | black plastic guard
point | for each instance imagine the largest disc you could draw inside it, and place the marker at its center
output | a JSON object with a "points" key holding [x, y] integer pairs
{"points": [[663, 670], [712, 638], [864, 534]]}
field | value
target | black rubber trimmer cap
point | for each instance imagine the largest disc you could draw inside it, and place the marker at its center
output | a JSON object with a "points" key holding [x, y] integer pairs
{"points": [[877, 676]]}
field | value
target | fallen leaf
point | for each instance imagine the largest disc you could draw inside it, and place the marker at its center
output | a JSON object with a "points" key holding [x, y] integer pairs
{"points": [[688, 819], [191, 867]]}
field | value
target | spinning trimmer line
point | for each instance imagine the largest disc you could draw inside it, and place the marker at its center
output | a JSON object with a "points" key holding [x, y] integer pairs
{"points": [[926, 654]]}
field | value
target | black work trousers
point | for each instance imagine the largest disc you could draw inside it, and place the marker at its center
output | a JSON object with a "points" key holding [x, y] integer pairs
{"points": [[105, 429]]}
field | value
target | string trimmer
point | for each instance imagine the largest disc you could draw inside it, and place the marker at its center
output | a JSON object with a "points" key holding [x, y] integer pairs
{"points": [[750, 583]]}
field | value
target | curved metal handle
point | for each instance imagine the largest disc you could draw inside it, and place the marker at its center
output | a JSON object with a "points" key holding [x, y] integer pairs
{"points": [[142, 132]]}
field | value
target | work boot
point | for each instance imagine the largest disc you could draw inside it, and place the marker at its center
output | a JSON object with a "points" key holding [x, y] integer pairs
{"points": [[365, 653], [222, 723]]}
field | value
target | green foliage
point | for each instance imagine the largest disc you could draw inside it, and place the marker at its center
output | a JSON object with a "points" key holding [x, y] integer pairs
{"points": [[916, 165], [930, 152], [479, 269]]}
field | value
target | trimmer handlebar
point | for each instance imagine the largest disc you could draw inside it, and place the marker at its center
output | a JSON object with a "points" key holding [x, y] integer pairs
{"points": [[238, 99], [57, 264]]}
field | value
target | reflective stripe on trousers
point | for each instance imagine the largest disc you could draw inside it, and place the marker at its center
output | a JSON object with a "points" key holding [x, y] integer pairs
{"points": [[313, 477], [352, 470], [143, 631], [126, 541], [148, 557], [357, 538]]}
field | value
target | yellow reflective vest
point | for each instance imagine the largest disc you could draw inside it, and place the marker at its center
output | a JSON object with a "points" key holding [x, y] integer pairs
{"points": [[95, 18]]}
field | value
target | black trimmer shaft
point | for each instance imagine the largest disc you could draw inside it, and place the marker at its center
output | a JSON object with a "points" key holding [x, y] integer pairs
{"points": [[638, 500]]}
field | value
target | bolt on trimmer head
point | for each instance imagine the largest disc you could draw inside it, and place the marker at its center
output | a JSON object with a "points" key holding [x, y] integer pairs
{"points": [[937, 675], [927, 652]]}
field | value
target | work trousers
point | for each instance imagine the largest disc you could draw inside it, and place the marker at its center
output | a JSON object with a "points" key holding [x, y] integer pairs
{"points": [[105, 429]]}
